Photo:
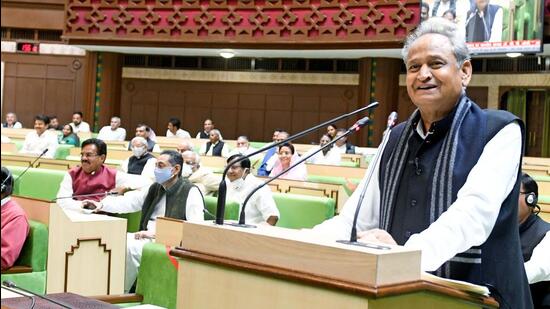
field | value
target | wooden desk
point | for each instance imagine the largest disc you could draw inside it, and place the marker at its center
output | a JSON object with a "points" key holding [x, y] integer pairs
{"points": [[279, 268], [117, 145], [168, 231], [86, 253], [15, 301], [336, 171], [16, 134], [9, 148], [36, 209]]}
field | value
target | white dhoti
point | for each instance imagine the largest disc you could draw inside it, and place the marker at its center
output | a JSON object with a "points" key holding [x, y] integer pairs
{"points": [[134, 248]]}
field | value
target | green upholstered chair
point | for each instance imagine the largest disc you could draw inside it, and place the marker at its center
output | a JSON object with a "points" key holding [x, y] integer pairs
{"points": [[303, 211], [211, 204], [132, 223], [40, 183], [63, 151], [157, 281], [335, 180], [34, 255], [15, 172]]}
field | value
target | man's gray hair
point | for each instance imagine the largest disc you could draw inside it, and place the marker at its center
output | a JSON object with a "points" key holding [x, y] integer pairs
{"points": [[243, 137], [194, 154], [442, 26], [139, 139], [117, 118], [186, 144], [215, 131]]}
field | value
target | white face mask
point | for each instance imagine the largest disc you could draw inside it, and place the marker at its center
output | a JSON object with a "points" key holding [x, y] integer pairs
{"points": [[139, 151], [186, 170]]}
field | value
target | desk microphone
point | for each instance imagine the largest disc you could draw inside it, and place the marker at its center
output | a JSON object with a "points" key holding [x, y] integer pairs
{"points": [[375, 161], [356, 127], [11, 284], [222, 189], [24, 171]]}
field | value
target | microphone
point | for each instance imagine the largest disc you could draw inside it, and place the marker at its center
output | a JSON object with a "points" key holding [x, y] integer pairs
{"points": [[222, 189], [354, 128], [375, 161], [106, 193], [24, 171], [33, 301], [11, 284], [392, 120]]}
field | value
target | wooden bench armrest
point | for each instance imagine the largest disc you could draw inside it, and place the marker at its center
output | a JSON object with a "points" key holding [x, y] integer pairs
{"points": [[17, 269], [120, 298]]}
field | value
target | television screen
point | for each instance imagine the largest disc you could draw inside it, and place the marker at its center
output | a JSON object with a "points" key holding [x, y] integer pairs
{"points": [[493, 26]]}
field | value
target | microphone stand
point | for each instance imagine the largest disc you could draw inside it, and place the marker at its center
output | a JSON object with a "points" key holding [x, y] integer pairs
{"points": [[353, 236], [85, 195], [222, 189], [356, 127], [26, 169], [33, 301]]}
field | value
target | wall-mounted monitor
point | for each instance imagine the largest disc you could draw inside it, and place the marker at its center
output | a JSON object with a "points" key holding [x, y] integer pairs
{"points": [[493, 26]]}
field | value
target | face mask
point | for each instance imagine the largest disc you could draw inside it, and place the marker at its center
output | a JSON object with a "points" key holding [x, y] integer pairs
{"points": [[162, 175], [242, 150], [138, 151], [186, 170]]}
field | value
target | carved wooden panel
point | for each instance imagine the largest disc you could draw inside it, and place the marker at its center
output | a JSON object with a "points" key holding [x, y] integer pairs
{"points": [[306, 22]]}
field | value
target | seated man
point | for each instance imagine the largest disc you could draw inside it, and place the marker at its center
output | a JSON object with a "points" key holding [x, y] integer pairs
{"points": [[92, 177], [78, 124], [327, 156], [534, 234], [14, 227], [142, 162], [243, 147], [269, 159], [175, 130], [112, 132], [261, 207], [170, 196], [215, 147], [145, 131], [54, 123], [207, 127], [184, 146], [40, 139], [342, 145], [11, 122], [201, 176]]}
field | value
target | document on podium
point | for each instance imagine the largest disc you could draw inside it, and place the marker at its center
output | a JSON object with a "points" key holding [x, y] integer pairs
{"points": [[457, 284]]}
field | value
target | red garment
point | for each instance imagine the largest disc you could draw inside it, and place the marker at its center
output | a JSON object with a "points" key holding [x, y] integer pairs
{"points": [[103, 180], [14, 229]]}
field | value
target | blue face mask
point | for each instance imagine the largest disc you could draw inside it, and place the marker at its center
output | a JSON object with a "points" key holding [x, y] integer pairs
{"points": [[162, 175]]}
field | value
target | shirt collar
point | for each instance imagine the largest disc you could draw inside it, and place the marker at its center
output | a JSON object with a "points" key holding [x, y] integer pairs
{"points": [[6, 200], [438, 129]]}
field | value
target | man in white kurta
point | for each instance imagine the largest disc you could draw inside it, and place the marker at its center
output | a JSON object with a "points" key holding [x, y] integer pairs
{"points": [[261, 207], [40, 139], [168, 176], [112, 132]]}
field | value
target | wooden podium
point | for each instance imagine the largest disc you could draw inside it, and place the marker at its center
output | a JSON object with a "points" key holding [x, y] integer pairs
{"points": [[270, 267], [86, 253]]}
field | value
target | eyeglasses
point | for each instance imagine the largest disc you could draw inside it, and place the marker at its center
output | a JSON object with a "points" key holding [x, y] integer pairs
{"points": [[88, 155]]}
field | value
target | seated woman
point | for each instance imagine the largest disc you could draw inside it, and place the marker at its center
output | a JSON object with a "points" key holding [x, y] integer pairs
{"points": [[327, 156], [287, 157], [68, 137], [331, 131]]}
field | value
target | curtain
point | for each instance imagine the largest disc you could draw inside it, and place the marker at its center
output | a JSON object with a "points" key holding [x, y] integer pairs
{"points": [[517, 102]]}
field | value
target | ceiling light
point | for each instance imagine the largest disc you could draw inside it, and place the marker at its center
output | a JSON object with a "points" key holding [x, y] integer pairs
{"points": [[513, 55], [226, 53]]}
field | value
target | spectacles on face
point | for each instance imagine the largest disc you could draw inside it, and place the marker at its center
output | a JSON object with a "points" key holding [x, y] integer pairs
{"points": [[88, 155]]}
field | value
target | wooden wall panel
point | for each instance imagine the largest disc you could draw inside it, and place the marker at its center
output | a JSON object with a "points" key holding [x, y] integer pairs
{"points": [[40, 84], [236, 108]]}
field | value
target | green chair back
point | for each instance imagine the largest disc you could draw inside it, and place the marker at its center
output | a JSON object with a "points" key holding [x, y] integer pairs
{"points": [[158, 277], [40, 183], [211, 204], [63, 151], [132, 223], [35, 255], [303, 211]]}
